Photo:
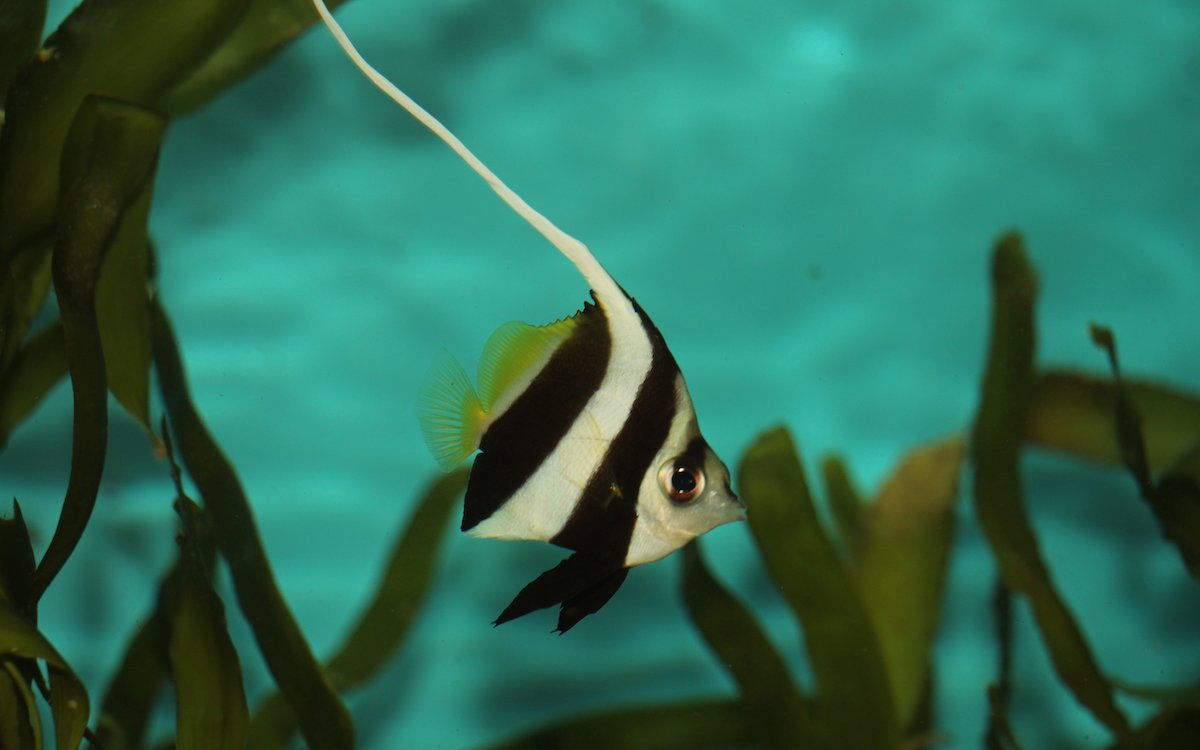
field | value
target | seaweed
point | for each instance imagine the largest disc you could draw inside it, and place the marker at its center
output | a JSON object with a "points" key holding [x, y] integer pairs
{"points": [[84, 113], [999, 432], [83, 119], [107, 163], [210, 699]]}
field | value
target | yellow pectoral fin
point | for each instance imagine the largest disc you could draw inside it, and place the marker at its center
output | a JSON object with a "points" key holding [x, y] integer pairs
{"points": [[449, 413]]}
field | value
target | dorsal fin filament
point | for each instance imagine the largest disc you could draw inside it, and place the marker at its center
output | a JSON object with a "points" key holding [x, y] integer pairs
{"points": [[574, 250]]}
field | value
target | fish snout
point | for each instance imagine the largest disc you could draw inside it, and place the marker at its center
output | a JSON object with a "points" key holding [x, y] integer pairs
{"points": [[735, 500]]}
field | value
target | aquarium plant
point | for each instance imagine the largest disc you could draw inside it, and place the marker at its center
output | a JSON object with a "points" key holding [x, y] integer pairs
{"points": [[84, 113]]}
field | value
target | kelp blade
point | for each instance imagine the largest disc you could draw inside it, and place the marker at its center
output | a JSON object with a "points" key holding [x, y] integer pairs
{"points": [[24, 286], [21, 24], [901, 572], [130, 698], [20, 723], [263, 30], [1176, 728], [17, 563], [1000, 734], [108, 159], [132, 50], [37, 367], [1000, 429], [1163, 695], [323, 719], [845, 502], [1073, 413], [853, 691], [1178, 506], [211, 702], [123, 311], [1175, 501], [20, 640], [383, 625], [20, 720], [774, 709], [134, 688]]}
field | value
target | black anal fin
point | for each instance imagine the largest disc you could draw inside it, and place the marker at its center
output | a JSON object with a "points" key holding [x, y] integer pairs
{"points": [[581, 582], [590, 601]]}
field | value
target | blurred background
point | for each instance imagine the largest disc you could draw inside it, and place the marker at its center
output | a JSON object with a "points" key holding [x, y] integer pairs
{"points": [[802, 195]]}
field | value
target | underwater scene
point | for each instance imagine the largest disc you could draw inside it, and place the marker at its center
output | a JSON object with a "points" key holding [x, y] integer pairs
{"points": [[931, 271]]}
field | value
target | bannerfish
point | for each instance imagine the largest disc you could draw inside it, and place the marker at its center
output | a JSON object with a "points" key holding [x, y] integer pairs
{"points": [[585, 431]]}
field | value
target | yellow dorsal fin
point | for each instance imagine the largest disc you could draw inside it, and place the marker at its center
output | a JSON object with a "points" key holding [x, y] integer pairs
{"points": [[513, 355], [449, 412]]}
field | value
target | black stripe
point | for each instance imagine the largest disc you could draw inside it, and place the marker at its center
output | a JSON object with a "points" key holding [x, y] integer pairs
{"points": [[589, 601], [526, 434], [603, 520], [697, 451]]}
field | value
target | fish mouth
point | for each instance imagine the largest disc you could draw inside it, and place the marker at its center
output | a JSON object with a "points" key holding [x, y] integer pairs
{"points": [[739, 508], [733, 497]]}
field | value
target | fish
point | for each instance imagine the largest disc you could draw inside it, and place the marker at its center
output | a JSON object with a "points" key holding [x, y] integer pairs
{"points": [[583, 431]]}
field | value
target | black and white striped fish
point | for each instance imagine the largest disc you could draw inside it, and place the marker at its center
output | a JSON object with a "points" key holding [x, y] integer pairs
{"points": [[586, 433]]}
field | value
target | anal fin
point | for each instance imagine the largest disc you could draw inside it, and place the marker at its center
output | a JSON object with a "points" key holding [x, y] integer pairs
{"points": [[582, 584], [589, 601]]}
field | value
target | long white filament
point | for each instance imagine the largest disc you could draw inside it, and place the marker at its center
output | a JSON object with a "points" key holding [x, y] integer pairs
{"points": [[573, 249]]}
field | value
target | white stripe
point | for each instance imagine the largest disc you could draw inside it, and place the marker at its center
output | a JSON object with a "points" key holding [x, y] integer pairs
{"points": [[541, 507]]}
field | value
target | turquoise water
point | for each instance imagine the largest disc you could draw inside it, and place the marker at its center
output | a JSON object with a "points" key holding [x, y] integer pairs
{"points": [[802, 196]]}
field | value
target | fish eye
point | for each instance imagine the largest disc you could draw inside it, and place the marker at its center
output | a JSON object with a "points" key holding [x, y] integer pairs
{"points": [[681, 480]]}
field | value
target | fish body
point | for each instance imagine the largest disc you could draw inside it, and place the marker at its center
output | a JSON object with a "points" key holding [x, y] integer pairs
{"points": [[586, 433], [594, 447]]}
